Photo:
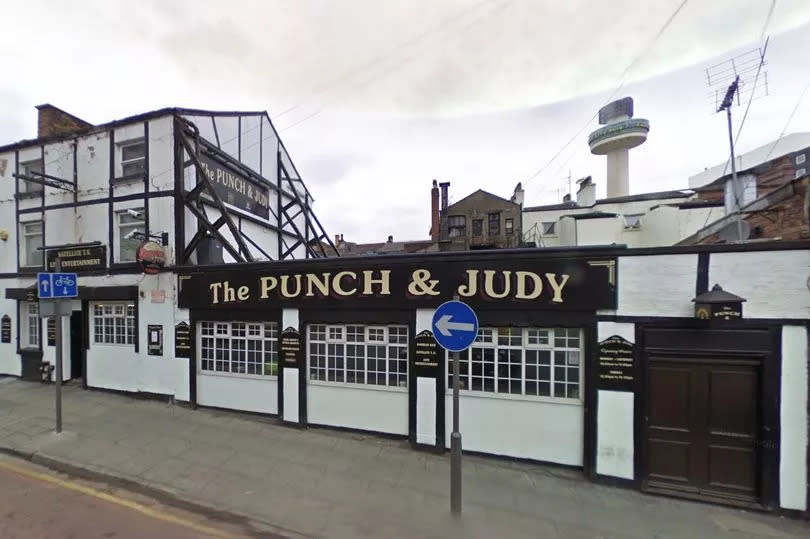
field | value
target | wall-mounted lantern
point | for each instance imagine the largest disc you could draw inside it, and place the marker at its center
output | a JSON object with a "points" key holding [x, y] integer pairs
{"points": [[717, 303]]}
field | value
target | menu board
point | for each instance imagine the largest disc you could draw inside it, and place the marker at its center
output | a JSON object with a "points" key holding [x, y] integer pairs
{"points": [[427, 354], [616, 364], [5, 329], [182, 340], [290, 348]]}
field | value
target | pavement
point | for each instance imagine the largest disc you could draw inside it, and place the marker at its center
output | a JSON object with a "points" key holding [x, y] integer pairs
{"points": [[38, 502], [327, 483]]}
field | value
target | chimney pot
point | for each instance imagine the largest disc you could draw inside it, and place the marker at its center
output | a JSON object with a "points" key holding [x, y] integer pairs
{"points": [[390, 239]]}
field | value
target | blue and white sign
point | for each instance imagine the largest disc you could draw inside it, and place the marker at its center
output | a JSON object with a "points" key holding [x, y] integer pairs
{"points": [[57, 285], [455, 326]]}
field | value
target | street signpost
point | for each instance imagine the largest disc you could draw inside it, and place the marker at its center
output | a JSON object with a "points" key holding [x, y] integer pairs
{"points": [[56, 289], [455, 327]]}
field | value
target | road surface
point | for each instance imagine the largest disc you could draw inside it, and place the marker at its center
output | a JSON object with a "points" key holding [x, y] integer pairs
{"points": [[38, 503]]}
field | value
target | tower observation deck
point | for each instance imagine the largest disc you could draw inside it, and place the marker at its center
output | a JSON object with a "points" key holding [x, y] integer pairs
{"points": [[619, 133]]}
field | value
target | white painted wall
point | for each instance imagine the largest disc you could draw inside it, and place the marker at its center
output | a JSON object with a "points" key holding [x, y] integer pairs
{"points": [[659, 285], [604, 231], [238, 393], [614, 417], [119, 367], [793, 419], [371, 409], [544, 431], [773, 282], [664, 225], [9, 359]]}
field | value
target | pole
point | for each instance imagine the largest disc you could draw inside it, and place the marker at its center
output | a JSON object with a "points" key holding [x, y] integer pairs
{"points": [[455, 446], [728, 101], [58, 321], [734, 183]]}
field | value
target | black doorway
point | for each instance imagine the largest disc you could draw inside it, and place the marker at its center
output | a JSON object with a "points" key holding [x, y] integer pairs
{"points": [[76, 333]]}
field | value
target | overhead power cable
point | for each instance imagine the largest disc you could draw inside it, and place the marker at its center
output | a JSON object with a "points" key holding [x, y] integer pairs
{"points": [[622, 82]]}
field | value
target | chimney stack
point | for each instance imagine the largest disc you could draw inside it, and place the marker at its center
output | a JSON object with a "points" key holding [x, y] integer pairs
{"points": [[517, 196], [434, 212], [55, 121], [443, 217], [586, 194]]}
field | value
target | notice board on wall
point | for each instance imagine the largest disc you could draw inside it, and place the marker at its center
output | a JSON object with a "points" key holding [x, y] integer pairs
{"points": [[616, 363], [5, 329]]}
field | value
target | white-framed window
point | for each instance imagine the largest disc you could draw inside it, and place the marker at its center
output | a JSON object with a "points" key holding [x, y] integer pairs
{"points": [[549, 228], [129, 221], [30, 324], [800, 172], [532, 362], [114, 323], [633, 221], [26, 169], [133, 157], [800, 159], [358, 354], [30, 246], [241, 348]]}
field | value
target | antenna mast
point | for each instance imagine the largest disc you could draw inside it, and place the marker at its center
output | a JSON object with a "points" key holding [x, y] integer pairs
{"points": [[731, 79]]}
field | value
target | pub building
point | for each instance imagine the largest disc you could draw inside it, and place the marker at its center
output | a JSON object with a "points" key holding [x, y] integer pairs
{"points": [[629, 364]]}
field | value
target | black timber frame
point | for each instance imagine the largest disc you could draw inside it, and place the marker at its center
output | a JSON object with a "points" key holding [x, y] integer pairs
{"points": [[188, 142]]}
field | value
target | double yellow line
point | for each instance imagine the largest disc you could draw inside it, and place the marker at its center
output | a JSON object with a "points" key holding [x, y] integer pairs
{"points": [[134, 506]]}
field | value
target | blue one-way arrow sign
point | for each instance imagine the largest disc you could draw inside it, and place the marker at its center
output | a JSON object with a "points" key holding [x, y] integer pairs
{"points": [[455, 326]]}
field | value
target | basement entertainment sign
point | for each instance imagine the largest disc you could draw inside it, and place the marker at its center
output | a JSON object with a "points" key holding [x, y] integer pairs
{"points": [[78, 259], [556, 284], [235, 189]]}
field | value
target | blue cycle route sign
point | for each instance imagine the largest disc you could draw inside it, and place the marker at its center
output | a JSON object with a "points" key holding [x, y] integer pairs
{"points": [[455, 326], [57, 285]]}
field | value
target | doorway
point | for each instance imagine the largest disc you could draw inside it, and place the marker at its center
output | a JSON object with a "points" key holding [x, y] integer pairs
{"points": [[702, 419], [76, 344]]}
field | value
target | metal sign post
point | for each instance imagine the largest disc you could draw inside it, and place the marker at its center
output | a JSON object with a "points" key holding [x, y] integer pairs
{"points": [[455, 327], [56, 289]]}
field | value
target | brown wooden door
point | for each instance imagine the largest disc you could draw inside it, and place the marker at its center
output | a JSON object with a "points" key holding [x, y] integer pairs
{"points": [[702, 423]]}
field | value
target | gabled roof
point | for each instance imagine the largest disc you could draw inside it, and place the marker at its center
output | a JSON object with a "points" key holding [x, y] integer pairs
{"points": [[481, 191]]}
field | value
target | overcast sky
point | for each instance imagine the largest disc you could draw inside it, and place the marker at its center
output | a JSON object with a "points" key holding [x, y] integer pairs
{"points": [[375, 99]]}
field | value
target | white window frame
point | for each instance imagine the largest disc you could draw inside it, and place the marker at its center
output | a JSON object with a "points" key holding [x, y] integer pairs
{"points": [[341, 354], [800, 159], [25, 169], [632, 221], [553, 228], [122, 147], [25, 252], [239, 349], [30, 325], [124, 224], [488, 340], [113, 323], [800, 172]]}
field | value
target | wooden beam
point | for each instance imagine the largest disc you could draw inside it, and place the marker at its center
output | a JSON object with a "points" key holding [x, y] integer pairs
{"points": [[217, 200]]}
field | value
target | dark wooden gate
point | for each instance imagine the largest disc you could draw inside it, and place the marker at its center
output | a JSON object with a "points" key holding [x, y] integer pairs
{"points": [[702, 424]]}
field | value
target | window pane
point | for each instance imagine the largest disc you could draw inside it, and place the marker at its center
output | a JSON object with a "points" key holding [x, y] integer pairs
{"points": [[133, 151]]}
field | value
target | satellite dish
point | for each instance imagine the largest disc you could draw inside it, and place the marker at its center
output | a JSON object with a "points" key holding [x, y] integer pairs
{"points": [[728, 233]]}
